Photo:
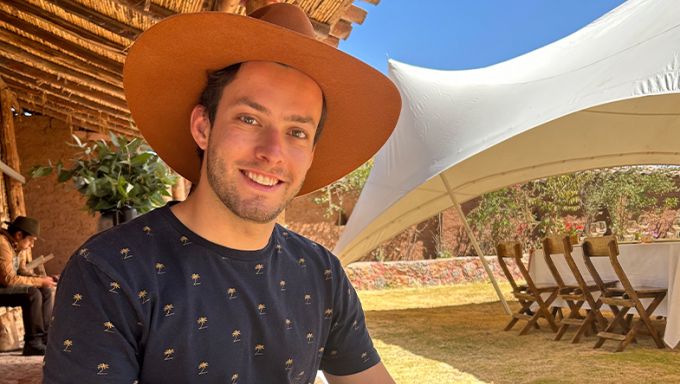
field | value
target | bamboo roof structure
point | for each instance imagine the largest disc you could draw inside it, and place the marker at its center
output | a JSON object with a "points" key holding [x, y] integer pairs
{"points": [[64, 58]]}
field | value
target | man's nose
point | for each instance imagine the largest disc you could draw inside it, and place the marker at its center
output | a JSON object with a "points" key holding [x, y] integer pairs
{"points": [[270, 145]]}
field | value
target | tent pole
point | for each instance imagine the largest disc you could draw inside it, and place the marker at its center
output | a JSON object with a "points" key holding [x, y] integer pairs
{"points": [[475, 244]]}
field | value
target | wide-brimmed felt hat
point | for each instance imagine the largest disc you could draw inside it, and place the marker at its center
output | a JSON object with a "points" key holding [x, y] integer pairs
{"points": [[166, 71], [26, 224]]}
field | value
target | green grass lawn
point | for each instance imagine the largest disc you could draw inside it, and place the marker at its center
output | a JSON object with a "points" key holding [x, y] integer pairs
{"points": [[454, 334]]}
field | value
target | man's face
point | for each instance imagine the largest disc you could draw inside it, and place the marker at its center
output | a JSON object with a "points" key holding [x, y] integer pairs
{"points": [[262, 141], [24, 241]]}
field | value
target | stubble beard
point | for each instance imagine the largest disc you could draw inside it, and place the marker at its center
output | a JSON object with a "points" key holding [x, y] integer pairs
{"points": [[253, 209]]}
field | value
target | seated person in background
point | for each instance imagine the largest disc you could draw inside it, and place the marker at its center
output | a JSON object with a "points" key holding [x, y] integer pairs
{"points": [[35, 294]]}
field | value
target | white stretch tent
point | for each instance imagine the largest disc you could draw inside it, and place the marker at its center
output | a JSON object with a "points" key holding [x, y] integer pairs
{"points": [[604, 96]]}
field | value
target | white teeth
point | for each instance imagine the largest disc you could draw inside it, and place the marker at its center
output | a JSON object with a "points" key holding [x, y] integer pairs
{"points": [[261, 179]]}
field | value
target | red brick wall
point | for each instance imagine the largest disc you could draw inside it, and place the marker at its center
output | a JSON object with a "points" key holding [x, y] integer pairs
{"points": [[59, 207]]}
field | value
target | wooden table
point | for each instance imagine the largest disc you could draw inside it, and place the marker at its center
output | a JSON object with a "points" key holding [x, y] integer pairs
{"points": [[646, 264]]}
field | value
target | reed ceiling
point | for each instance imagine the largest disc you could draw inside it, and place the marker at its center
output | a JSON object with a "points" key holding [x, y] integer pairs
{"points": [[64, 58]]}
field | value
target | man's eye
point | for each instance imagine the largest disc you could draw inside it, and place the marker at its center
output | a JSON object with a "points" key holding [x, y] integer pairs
{"points": [[248, 120], [298, 133]]}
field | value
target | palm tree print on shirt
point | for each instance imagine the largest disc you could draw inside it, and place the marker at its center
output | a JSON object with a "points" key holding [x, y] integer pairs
{"points": [[68, 343], [126, 253], [114, 287], [202, 321], [160, 268], [76, 299], [262, 309], [234, 378], [259, 349], [308, 299], [203, 368], [355, 325], [196, 277], [168, 310], [143, 296], [236, 335], [328, 313], [278, 248], [327, 274], [108, 327], [84, 252], [289, 324], [169, 354], [147, 230], [232, 293], [310, 337], [282, 284], [301, 262], [259, 268], [289, 364], [364, 357], [184, 240], [321, 351], [102, 368]]}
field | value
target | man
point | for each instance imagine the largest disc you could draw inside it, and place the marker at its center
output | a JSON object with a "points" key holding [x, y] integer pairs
{"points": [[212, 289], [35, 294]]}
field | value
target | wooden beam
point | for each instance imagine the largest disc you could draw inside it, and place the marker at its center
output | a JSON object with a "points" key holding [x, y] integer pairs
{"points": [[63, 44], [10, 156], [61, 72], [59, 58], [10, 66], [7, 170], [79, 120], [374, 2], [341, 29], [23, 85], [153, 11], [322, 30], [57, 22], [331, 40], [74, 41], [355, 14], [110, 24]]}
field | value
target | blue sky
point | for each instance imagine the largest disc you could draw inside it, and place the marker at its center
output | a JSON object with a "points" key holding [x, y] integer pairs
{"points": [[464, 34]]}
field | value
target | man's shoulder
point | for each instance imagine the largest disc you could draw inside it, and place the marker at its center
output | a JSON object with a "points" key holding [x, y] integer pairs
{"points": [[300, 244], [123, 240]]}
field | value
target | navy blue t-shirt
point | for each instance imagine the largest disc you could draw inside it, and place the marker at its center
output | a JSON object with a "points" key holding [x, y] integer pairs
{"points": [[152, 302]]}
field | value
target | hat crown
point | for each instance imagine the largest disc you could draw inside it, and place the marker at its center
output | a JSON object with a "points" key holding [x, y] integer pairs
{"points": [[26, 224], [287, 16]]}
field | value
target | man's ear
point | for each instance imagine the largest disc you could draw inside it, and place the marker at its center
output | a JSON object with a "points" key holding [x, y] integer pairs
{"points": [[200, 126]]}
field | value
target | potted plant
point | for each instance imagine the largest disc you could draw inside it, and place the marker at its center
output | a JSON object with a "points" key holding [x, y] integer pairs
{"points": [[119, 179]]}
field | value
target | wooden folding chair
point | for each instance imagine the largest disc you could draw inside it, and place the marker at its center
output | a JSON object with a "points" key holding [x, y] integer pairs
{"points": [[528, 293], [623, 298], [575, 295]]}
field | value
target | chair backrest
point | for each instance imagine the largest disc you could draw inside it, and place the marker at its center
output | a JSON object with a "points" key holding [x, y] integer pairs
{"points": [[555, 245], [605, 246], [513, 250]]}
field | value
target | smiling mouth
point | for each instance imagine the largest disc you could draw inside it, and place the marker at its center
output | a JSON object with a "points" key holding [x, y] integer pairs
{"points": [[261, 179]]}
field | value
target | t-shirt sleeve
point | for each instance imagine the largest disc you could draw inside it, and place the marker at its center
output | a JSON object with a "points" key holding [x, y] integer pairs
{"points": [[95, 330], [349, 348]]}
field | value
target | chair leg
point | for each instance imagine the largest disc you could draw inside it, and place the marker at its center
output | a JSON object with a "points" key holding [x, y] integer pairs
{"points": [[610, 327], [587, 323]]}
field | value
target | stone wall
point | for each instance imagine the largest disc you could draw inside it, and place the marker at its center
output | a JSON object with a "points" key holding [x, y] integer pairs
{"points": [[59, 207], [422, 273]]}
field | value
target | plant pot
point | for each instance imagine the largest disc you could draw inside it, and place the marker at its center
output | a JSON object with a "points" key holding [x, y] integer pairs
{"points": [[113, 217]]}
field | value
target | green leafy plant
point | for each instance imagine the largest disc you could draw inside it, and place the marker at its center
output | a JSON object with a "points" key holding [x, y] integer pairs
{"points": [[332, 195], [122, 173]]}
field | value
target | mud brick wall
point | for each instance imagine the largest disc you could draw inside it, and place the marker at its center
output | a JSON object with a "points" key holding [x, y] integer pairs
{"points": [[422, 273], [64, 223]]}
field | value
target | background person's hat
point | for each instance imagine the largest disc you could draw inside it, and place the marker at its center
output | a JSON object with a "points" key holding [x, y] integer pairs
{"points": [[166, 71], [26, 224]]}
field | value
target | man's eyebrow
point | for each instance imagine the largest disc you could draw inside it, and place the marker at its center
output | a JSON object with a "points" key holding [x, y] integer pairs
{"points": [[261, 108], [301, 119], [254, 105]]}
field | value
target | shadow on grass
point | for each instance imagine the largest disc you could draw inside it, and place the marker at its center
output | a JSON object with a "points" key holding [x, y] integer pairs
{"points": [[470, 338]]}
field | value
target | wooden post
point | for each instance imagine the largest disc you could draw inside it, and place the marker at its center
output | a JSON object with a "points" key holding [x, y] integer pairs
{"points": [[10, 154]]}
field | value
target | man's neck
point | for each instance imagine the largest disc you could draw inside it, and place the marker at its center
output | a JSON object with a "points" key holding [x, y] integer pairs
{"points": [[206, 216]]}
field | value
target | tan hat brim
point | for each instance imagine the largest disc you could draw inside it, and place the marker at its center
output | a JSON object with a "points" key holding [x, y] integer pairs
{"points": [[166, 70]]}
